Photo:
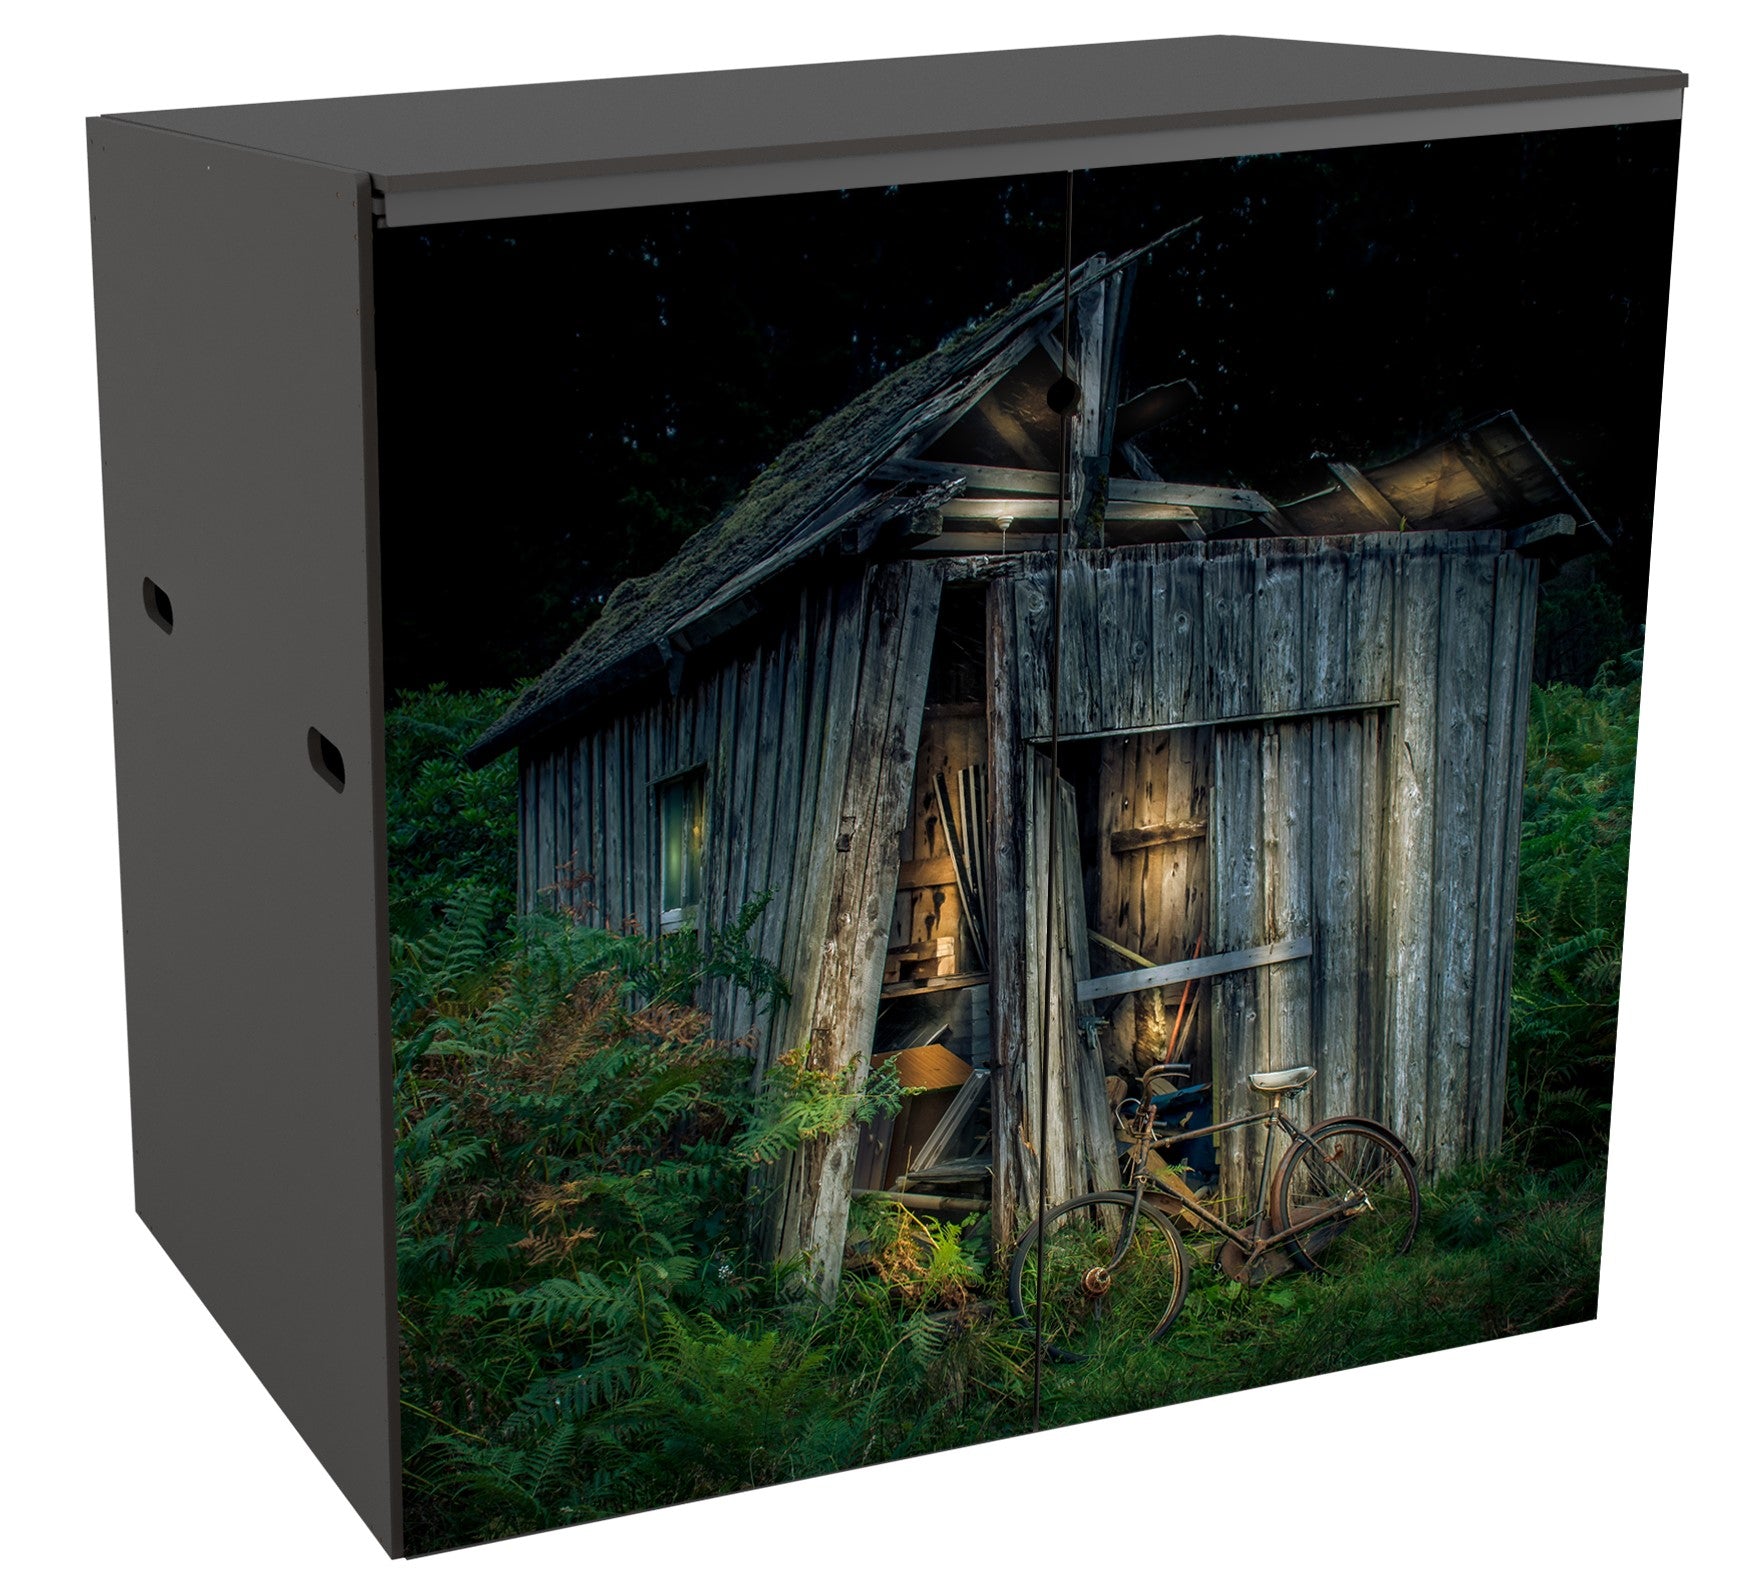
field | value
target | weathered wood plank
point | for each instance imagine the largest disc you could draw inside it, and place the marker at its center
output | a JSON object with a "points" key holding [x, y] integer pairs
{"points": [[1117, 307], [1409, 850], [1013, 682], [1290, 950], [1122, 490], [1228, 621], [1044, 925], [922, 874], [1279, 662], [1335, 821], [1381, 510], [526, 830], [845, 631], [1179, 679], [1373, 823], [1515, 740], [1239, 923], [1074, 1147], [1324, 662], [614, 881], [787, 841], [1083, 642], [936, 982], [541, 841], [1286, 858], [769, 859], [1464, 680], [1031, 640], [1499, 812], [1095, 1163], [642, 847], [885, 732], [594, 778], [579, 774], [1087, 463], [1237, 721], [1281, 659], [1157, 835], [1048, 509], [1541, 531], [1123, 599], [1333, 742], [1370, 622], [1126, 954], [1037, 536]]}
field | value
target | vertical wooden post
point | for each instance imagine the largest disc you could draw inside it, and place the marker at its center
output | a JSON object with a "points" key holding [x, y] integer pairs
{"points": [[1092, 428], [807, 1214], [1014, 1162]]}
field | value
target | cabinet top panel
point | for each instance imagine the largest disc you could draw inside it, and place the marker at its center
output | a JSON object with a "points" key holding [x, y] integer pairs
{"points": [[689, 121]]}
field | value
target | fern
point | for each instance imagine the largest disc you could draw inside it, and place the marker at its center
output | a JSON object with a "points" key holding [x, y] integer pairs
{"points": [[1572, 897], [572, 1167]]}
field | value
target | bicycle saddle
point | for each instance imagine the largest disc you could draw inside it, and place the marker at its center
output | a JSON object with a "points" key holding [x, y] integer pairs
{"points": [[1281, 1079]]}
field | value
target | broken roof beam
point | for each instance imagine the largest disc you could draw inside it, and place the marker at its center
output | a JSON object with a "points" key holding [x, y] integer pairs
{"points": [[1153, 407], [1584, 516], [1365, 490], [1005, 479], [1049, 509], [1486, 470], [987, 541], [1541, 531], [1134, 457]]}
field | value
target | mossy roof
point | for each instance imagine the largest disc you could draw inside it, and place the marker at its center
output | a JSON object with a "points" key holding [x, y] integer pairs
{"points": [[624, 643]]}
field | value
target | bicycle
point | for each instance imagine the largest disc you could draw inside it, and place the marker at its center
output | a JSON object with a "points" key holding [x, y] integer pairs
{"points": [[1343, 1195]]}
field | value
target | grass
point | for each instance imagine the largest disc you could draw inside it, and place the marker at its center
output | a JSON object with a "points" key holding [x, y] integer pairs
{"points": [[1501, 1250]]}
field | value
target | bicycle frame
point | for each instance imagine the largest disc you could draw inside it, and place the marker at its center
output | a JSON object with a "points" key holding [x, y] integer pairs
{"points": [[1254, 1242]]}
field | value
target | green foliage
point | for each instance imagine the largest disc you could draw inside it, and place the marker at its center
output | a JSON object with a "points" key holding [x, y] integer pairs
{"points": [[1572, 899], [450, 828], [586, 1325], [1580, 622]]}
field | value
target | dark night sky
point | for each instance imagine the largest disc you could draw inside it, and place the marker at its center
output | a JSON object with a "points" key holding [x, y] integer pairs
{"points": [[562, 400]]}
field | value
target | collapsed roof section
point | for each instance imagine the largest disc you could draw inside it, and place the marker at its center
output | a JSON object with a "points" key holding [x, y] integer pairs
{"points": [[1492, 473]]}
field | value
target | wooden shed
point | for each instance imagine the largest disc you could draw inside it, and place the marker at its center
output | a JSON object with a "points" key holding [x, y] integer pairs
{"points": [[1290, 752]]}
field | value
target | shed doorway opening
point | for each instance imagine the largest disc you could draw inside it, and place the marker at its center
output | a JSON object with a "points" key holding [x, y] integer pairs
{"points": [[1143, 812], [1143, 809], [1258, 843], [933, 1025]]}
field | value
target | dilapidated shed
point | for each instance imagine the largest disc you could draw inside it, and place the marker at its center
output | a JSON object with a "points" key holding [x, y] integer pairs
{"points": [[1290, 750]]}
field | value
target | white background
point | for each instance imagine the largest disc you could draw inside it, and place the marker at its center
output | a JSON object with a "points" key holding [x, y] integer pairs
{"points": [[1613, 1454]]}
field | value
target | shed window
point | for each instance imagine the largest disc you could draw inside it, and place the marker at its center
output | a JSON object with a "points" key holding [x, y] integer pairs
{"points": [[682, 806]]}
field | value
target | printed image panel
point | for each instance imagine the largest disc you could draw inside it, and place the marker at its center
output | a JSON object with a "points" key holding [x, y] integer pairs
{"points": [[977, 842]]}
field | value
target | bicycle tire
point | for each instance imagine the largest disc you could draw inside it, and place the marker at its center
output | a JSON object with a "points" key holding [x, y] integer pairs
{"points": [[1365, 1156], [1141, 1292]]}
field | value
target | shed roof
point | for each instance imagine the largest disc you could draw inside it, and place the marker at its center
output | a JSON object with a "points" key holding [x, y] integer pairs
{"points": [[789, 511]]}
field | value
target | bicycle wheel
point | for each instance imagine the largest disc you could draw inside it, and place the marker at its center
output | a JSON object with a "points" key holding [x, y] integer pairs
{"points": [[1358, 1171], [1109, 1280]]}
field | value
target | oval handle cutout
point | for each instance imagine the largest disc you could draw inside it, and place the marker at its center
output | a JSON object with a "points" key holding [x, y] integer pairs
{"points": [[158, 604], [326, 758]]}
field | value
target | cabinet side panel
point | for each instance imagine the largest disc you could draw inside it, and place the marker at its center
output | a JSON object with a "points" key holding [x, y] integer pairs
{"points": [[233, 330]]}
